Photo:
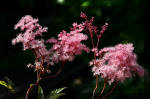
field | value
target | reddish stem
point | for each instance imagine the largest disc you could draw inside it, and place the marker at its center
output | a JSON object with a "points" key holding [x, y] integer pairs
{"points": [[38, 75], [110, 91], [39, 79], [91, 35], [29, 89], [103, 88], [56, 74], [95, 87], [42, 57], [92, 39], [97, 41]]}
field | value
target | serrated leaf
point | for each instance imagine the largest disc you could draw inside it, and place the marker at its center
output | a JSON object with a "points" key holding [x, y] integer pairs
{"points": [[58, 90], [55, 94], [40, 93]]}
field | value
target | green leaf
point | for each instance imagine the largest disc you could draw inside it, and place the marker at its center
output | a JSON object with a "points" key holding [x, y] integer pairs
{"points": [[40, 93], [85, 4], [9, 81], [3, 83], [55, 94], [58, 90], [7, 84]]}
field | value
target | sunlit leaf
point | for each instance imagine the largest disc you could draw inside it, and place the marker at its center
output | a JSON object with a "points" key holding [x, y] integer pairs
{"points": [[85, 4], [9, 81], [3, 83], [7, 84], [55, 94]]}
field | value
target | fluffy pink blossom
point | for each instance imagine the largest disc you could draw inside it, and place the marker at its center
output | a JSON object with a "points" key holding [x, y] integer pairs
{"points": [[68, 44], [31, 29], [63, 49], [83, 15], [116, 63]]}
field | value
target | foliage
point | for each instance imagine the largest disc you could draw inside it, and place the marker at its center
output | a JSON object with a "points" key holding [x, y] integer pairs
{"points": [[8, 84], [55, 94], [40, 93]]}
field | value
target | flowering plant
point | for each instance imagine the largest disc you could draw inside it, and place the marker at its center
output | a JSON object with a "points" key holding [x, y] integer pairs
{"points": [[113, 64]]}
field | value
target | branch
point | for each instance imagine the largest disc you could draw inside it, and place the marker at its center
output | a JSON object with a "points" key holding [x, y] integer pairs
{"points": [[95, 87], [110, 91]]}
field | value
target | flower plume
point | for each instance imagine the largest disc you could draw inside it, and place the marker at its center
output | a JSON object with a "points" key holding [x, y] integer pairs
{"points": [[117, 63]]}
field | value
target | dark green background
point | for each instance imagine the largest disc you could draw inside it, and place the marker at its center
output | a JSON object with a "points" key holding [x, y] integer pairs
{"points": [[126, 24]]}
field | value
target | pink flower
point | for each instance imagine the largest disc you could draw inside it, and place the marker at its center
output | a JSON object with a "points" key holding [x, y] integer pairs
{"points": [[104, 27], [51, 40], [83, 15], [117, 63], [68, 44], [31, 29]]}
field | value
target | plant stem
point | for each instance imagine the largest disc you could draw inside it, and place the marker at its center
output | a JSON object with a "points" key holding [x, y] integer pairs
{"points": [[56, 74], [29, 89], [95, 87], [103, 88], [110, 91]]}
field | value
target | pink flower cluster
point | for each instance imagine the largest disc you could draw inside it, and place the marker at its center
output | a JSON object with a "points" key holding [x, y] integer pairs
{"points": [[89, 26], [31, 29], [63, 49], [68, 44], [116, 63], [92, 29]]}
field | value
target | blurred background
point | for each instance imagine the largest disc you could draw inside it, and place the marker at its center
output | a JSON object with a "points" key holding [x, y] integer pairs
{"points": [[125, 18]]}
